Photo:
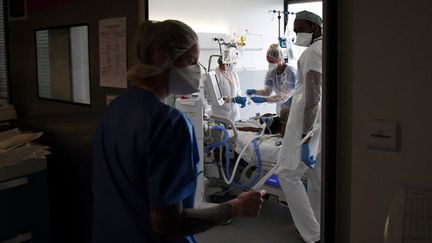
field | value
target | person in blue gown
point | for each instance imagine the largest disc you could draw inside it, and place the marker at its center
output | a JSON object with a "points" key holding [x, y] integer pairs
{"points": [[145, 153]]}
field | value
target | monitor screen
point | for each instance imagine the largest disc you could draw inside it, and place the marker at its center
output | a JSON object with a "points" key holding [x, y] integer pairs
{"points": [[216, 87], [212, 88]]}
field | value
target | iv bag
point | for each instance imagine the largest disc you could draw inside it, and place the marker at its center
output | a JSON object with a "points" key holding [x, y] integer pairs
{"points": [[289, 44]]}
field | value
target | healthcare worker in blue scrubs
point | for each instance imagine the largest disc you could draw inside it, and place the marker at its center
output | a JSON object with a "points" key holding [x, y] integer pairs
{"points": [[145, 153]]}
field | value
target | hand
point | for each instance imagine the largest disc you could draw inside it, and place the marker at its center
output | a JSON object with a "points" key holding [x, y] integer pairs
{"points": [[307, 157], [258, 99], [250, 91], [240, 100], [247, 204]]}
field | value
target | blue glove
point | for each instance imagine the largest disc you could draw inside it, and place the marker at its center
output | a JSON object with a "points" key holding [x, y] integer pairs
{"points": [[307, 157], [240, 100], [250, 91], [258, 99]]}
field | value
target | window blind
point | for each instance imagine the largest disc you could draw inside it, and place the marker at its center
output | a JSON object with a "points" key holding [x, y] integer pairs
{"points": [[43, 64], [3, 54]]}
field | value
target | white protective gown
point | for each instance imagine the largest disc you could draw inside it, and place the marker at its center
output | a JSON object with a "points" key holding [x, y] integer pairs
{"points": [[304, 206], [282, 84], [289, 156], [229, 86]]}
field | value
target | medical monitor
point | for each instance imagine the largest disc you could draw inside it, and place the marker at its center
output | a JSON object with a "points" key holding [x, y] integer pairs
{"points": [[212, 89]]}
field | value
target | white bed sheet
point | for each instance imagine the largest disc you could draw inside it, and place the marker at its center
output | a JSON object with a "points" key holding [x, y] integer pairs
{"points": [[267, 144]]}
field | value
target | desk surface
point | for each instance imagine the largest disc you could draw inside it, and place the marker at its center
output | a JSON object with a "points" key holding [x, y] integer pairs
{"points": [[19, 156], [21, 168]]}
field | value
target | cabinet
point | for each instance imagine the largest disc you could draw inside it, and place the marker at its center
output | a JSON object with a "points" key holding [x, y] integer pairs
{"points": [[24, 202], [24, 198]]}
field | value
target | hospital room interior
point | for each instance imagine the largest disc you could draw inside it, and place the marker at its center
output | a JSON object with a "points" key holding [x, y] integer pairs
{"points": [[63, 64]]}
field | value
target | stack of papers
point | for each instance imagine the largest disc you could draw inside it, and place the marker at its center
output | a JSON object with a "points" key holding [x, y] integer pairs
{"points": [[17, 146]]}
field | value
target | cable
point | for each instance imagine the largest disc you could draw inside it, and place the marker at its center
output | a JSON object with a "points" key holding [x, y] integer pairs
{"points": [[253, 180], [226, 174], [215, 145], [211, 56]]}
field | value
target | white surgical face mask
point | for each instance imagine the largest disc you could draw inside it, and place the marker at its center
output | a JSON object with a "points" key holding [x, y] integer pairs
{"points": [[303, 39], [184, 80], [272, 66]]}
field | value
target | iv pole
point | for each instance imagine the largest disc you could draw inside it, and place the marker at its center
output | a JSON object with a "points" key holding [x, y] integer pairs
{"points": [[279, 12]]}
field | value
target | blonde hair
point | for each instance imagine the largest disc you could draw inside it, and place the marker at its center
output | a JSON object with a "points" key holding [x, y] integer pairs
{"points": [[275, 51], [169, 38]]}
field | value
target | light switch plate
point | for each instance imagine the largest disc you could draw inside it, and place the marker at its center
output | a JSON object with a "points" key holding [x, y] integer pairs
{"points": [[382, 135]]}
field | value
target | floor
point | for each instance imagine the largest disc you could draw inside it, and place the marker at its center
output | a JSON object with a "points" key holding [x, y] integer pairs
{"points": [[273, 225]]}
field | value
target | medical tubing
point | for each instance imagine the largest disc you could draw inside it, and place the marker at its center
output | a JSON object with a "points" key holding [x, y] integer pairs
{"points": [[227, 153], [209, 62], [227, 162], [240, 156], [258, 171], [227, 120], [224, 141]]}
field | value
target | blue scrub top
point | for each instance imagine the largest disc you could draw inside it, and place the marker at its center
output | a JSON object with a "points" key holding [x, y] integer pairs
{"points": [[145, 157]]}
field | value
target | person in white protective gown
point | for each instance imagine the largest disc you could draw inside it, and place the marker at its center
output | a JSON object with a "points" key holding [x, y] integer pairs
{"points": [[230, 88], [280, 79], [301, 148]]}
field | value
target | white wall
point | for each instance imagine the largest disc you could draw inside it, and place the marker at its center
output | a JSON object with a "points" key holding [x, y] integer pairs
{"points": [[385, 72], [224, 18]]}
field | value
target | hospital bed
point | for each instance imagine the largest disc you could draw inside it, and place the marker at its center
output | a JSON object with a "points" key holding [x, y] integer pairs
{"points": [[245, 171], [269, 146]]}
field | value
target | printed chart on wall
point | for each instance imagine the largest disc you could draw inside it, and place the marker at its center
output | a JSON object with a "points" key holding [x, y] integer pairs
{"points": [[112, 52]]}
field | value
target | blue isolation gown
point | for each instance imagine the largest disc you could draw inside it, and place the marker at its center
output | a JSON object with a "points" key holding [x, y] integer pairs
{"points": [[145, 157]]}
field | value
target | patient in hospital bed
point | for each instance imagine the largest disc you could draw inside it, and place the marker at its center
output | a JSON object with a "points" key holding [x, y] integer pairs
{"points": [[269, 143], [276, 123]]}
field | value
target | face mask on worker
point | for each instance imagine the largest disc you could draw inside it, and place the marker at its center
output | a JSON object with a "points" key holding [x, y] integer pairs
{"points": [[272, 66], [184, 80], [229, 67], [303, 39]]}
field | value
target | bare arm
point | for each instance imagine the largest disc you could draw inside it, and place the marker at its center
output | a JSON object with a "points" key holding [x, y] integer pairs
{"points": [[174, 221]]}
